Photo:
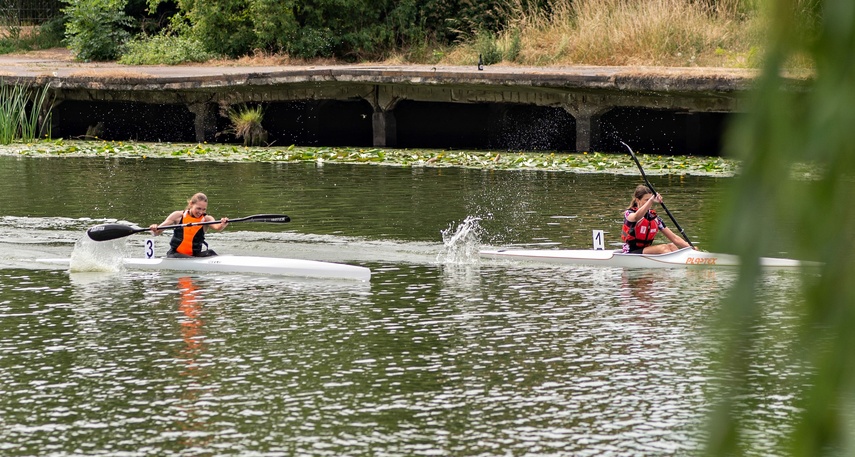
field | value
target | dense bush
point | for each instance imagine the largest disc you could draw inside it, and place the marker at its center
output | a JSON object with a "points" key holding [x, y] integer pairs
{"points": [[346, 29], [163, 49], [96, 29], [222, 26]]}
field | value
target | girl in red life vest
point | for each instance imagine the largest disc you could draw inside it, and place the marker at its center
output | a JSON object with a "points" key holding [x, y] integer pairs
{"points": [[190, 241], [641, 224]]}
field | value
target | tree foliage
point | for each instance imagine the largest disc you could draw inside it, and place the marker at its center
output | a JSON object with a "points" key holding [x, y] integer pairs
{"points": [[345, 29], [96, 29]]}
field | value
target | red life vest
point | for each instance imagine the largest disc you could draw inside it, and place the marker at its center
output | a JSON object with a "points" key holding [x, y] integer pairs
{"points": [[188, 240], [640, 234]]}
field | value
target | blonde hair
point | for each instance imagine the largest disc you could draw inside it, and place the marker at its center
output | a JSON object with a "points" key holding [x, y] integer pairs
{"points": [[196, 198]]}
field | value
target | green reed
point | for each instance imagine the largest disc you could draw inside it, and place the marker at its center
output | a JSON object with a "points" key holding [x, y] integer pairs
{"points": [[24, 113]]}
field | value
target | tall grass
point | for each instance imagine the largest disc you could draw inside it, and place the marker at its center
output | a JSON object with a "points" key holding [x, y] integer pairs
{"points": [[246, 124], [24, 113], [720, 33]]}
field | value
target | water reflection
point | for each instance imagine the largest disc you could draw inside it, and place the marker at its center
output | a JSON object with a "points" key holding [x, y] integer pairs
{"points": [[193, 371], [639, 287], [470, 359]]}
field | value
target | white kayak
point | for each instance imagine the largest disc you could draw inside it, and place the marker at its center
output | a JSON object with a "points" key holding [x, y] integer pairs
{"points": [[686, 257], [247, 264]]}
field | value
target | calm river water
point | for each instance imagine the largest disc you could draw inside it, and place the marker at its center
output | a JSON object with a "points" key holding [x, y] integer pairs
{"points": [[440, 354]]}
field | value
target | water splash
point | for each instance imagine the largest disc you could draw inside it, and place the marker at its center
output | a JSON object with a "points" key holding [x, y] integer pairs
{"points": [[462, 242], [91, 255]]}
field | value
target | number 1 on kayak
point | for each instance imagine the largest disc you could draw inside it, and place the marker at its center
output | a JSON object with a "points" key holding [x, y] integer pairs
{"points": [[599, 241]]}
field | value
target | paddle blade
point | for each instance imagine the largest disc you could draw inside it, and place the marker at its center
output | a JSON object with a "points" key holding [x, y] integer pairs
{"points": [[106, 232], [276, 218]]}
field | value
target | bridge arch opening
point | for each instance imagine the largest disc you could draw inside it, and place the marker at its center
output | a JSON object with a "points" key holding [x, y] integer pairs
{"points": [[666, 132], [498, 126], [123, 121]]}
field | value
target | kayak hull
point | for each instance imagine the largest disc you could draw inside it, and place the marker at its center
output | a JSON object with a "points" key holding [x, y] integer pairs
{"points": [[683, 258], [246, 264], [254, 264]]}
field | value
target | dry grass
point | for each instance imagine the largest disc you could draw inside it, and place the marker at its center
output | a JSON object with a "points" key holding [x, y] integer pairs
{"points": [[16, 32], [263, 58], [629, 33], [109, 75]]}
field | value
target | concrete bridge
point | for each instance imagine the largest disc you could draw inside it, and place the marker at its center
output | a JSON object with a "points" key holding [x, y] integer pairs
{"points": [[669, 110]]}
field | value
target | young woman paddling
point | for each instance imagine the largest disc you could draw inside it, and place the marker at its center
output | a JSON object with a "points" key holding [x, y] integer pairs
{"points": [[190, 241], [641, 224]]}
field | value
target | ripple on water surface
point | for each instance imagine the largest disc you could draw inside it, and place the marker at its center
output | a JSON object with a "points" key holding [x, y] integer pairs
{"points": [[478, 359], [440, 354]]}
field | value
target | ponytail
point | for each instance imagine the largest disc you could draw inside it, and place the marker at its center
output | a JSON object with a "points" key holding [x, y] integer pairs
{"points": [[640, 191]]}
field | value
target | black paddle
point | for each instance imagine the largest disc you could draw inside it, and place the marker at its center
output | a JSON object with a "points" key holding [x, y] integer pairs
{"points": [[650, 186], [106, 232]]}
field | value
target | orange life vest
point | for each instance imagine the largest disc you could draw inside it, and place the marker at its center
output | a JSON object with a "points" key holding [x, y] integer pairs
{"points": [[189, 240], [640, 234]]}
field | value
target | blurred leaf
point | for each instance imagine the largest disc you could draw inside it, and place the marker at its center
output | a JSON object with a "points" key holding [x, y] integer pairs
{"points": [[786, 128]]}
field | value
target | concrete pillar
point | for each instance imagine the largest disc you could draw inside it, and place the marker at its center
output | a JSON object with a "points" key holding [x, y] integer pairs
{"points": [[205, 122], [587, 126], [383, 122], [385, 129]]}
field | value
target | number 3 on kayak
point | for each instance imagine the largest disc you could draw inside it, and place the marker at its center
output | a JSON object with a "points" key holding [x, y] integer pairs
{"points": [[149, 248]]}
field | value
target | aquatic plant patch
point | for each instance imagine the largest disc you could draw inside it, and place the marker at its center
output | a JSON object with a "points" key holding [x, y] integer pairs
{"points": [[595, 162]]}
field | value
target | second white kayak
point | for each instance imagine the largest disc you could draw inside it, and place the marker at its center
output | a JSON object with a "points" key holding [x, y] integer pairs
{"points": [[686, 257]]}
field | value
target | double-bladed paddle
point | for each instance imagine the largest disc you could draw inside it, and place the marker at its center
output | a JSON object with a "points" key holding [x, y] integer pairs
{"points": [[106, 232], [650, 186]]}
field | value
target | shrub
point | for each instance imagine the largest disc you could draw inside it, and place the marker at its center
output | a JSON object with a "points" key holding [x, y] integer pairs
{"points": [[514, 45], [348, 29], [488, 49], [50, 34], [163, 49], [222, 26], [96, 29]]}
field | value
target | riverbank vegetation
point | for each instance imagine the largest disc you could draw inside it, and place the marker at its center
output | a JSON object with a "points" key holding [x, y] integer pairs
{"points": [[720, 33], [16, 36], [728, 33], [487, 160], [24, 113]]}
